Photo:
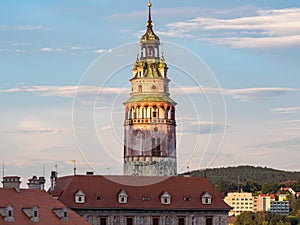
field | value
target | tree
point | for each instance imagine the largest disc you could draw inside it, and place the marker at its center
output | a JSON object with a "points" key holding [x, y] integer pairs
{"points": [[221, 186], [266, 188], [245, 218]]}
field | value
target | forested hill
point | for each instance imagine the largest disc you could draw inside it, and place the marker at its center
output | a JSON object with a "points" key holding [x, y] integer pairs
{"points": [[245, 176]]}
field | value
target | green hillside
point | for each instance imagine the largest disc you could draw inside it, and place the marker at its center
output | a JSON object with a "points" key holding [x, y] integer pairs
{"points": [[250, 178]]}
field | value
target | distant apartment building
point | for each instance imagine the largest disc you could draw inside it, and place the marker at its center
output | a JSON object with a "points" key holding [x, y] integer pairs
{"points": [[280, 207], [262, 202], [240, 202]]}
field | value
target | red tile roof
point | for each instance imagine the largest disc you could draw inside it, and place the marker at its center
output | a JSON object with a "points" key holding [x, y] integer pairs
{"points": [[26, 199], [139, 189]]}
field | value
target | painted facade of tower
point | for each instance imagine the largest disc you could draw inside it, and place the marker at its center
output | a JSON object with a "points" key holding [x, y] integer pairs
{"points": [[150, 125]]}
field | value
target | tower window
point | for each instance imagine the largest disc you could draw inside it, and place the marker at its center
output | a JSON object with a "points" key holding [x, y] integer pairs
{"points": [[154, 112], [140, 88]]}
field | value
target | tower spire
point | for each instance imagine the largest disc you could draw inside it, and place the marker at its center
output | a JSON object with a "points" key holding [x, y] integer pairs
{"points": [[149, 35]]}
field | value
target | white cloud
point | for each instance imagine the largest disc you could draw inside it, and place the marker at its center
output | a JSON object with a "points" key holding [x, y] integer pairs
{"points": [[21, 44], [64, 91], [23, 27], [267, 28], [287, 110], [46, 49], [42, 130], [243, 94], [101, 51], [75, 48], [247, 94], [196, 126]]}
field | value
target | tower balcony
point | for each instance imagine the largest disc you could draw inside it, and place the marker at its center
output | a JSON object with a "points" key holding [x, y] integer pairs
{"points": [[150, 121]]}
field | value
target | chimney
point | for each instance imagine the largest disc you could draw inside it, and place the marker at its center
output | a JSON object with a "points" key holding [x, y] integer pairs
{"points": [[89, 173], [42, 181], [36, 183], [11, 182], [53, 178]]}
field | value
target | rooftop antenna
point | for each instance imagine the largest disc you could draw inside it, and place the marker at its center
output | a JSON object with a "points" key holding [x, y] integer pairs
{"points": [[108, 171], [3, 170], [238, 183], [43, 169], [74, 166]]}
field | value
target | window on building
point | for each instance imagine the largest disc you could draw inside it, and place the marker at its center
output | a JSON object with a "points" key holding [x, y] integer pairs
{"points": [[35, 213], [155, 221], [187, 198], [181, 221], [9, 217], [65, 214], [206, 198], [155, 147], [208, 221], [99, 197], [140, 88], [122, 197], [154, 112], [165, 198], [80, 197], [129, 221], [89, 219], [103, 221]]}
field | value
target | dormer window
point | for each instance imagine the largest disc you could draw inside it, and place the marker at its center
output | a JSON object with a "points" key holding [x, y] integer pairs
{"points": [[32, 213], [7, 213], [165, 198], [62, 213], [80, 197], [206, 198], [187, 198], [122, 197]]}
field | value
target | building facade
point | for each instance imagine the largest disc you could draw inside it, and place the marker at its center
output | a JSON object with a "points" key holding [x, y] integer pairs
{"points": [[142, 200], [32, 206], [240, 202], [280, 207], [150, 125], [262, 202]]}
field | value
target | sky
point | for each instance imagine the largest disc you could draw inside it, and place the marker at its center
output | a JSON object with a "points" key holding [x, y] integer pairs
{"points": [[65, 68]]}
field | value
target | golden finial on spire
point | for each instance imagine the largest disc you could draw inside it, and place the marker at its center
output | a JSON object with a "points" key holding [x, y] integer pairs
{"points": [[149, 4]]}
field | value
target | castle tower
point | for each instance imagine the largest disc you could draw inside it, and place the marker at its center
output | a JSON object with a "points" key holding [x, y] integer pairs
{"points": [[150, 126]]}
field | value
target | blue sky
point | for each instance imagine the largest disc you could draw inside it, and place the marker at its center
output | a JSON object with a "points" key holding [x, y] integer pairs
{"points": [[252, 48]]}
